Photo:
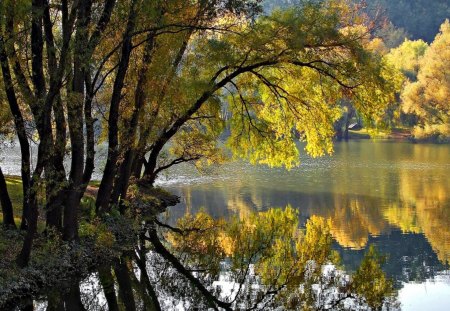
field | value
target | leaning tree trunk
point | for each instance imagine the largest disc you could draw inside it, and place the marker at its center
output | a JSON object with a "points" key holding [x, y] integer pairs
{"points": [[122, 181], [20, 130], [7, 209]]}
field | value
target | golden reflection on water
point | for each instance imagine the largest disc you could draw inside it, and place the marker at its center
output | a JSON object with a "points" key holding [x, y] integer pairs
{"points": [[366, 189]]}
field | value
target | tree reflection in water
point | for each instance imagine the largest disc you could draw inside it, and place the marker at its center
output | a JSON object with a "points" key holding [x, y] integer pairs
{"points": [[262, 262]]}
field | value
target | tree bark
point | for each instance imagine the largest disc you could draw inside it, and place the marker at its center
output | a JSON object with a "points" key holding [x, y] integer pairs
{"points": [[20, 130], [42, 115], [76, 121], [7, 209], [106, 185], [73, 298], [122, 181]]}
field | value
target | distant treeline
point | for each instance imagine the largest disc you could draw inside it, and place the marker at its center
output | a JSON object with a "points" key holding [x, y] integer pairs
{"points": [[419, 18]]}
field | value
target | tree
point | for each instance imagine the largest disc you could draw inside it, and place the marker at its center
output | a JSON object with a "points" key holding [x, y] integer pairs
{"points": [[407, 57], [5, 202], [370, 282], [160, 85], [269, 262], [428, 96]]}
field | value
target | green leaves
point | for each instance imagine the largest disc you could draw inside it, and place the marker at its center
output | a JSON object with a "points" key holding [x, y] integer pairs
{"points": [[370, 282]]}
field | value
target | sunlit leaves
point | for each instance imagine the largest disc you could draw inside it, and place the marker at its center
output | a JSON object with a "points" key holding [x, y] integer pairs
{"points": [[429, 96], [407, 57]]}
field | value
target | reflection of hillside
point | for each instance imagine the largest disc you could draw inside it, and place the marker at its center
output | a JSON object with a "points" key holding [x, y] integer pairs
{"points": [[367, 189], [425, 208], [354, 219]]}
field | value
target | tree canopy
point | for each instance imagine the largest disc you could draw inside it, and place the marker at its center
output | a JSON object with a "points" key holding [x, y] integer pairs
{"points": [[163, 89], [428, 97]]}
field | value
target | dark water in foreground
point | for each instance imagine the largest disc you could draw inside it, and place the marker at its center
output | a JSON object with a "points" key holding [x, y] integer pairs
{"points": [[394, 195]]}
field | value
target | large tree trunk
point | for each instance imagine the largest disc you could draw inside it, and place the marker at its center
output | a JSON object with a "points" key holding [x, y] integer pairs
{"points": [[42, 115], [55, 192], [7, 209], [76, 122], [73, 298]]}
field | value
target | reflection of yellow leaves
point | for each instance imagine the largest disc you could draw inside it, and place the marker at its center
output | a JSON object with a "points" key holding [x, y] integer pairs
{"points": [[353, 220], [403, 217], [425, 207], [370, 281], [227, 244], [270, 248]]}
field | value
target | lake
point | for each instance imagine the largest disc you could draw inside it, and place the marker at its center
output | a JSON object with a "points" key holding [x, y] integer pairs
{"points": [[395, 195]]}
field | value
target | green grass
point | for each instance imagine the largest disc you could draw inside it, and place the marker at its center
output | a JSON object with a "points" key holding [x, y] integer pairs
{"points": [[361, 134], [393, 133], [94, 183], [14, 184]]}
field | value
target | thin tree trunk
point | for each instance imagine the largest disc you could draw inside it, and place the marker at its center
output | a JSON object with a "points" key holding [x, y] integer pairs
{"points": [[20, 130], [24, 255], [106, 185], [121, 183], [139, 159]]}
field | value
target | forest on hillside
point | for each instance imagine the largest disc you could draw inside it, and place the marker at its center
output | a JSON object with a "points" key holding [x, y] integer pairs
{"points": [[416, 19]]}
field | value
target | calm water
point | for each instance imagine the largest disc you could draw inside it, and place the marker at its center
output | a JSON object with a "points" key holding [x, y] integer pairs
{"points": [[394, 195]]}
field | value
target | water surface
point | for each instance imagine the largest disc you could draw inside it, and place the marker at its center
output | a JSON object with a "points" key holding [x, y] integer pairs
{"points": [[392, 194]]}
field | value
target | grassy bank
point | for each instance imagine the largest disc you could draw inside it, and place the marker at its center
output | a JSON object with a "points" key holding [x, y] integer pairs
{"points": [[394, 133], [14, 184]]}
